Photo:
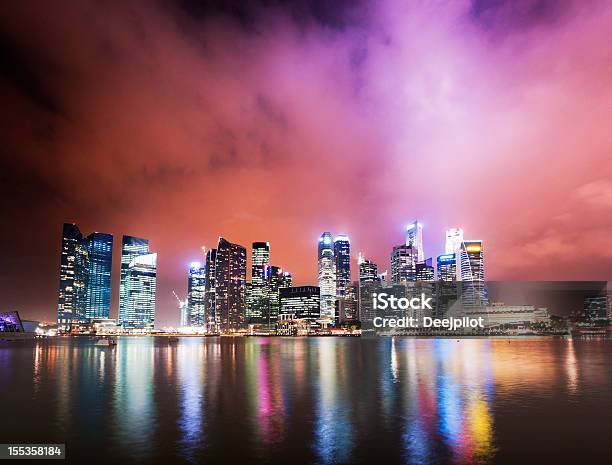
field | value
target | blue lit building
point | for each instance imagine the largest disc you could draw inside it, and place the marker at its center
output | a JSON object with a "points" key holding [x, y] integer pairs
{"points": [[342, 258], [99, 267]]}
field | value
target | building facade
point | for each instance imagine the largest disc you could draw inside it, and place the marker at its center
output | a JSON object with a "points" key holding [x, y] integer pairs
{"points": [[302, 303], [99, 270], [327, 276], [342, 261], [403, 264], [196, 294], [140, 293], [472, 274], [414, 239], [230, 286], [131, 247]]}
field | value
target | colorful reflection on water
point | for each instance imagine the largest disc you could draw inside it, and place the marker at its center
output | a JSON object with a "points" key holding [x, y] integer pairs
{"points": [[315, 400]]}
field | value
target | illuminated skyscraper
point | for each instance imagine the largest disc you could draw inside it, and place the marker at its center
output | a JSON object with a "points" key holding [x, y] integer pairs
{"points": [[70, 279], [211, 267], [131, 247], [140, 293], [447, 267], [85, 276], [99, 267], [301, 302], [368, 271], [454, 238], [275, 280], [403, 264], [260, 260], [230, 286], [196, 294], [425, 270], [342, 257], [414, 238], [327, 276], [472, 275]]}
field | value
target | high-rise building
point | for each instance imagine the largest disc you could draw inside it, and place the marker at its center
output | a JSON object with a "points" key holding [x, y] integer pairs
{"points": [[85, 277], [447, 267], [211, 271], [196, 294], [230, 286], [425, 270], [368, 271], [69, 282], [342, 258], [454, 238], [403, 264], [471, 273], [99, 268], [275, 280], [131, 247], [301, 302], [260, 260], [140, 293], [327, 276], [414, 238]]}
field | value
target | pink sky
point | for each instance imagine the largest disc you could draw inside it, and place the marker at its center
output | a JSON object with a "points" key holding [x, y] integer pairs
{"points": [[139, 119]]}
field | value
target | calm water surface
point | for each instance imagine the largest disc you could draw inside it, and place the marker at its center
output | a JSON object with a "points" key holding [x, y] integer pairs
{"points": [[311, 400]]}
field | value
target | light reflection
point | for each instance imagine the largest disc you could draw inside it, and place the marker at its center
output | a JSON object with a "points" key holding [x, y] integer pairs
{"points": [[571, 367], [191, 376], [133, 405], [333, 430]]}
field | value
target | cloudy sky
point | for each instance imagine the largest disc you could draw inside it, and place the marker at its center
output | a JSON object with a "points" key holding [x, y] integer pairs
{"points": [[273, 120]]}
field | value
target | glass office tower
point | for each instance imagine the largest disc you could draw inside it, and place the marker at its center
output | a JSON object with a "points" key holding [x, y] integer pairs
{"points": [[403, 263], [140, 292], [196, 295], [472, 274], [260, 260], [327, 276], [368, 270], [131, 247], [230, 286], [414, 238], [100, 264], [211, 266], [302, 303], [71, 236], [342, 257]]}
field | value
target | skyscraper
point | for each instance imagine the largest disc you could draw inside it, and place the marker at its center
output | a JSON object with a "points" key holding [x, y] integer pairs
{"points": [[275, 280], [447, 267], [196, 294], [342, 258], [425, 270], [414, 238], [403, 264], [85, 277], [327, 276], [302, 302], [368, 271], [211, 270], [472, 276], [230, 277], [131, 247], [140, 292], [70, 279], [99, 268], [454, 238], [260, 260]]}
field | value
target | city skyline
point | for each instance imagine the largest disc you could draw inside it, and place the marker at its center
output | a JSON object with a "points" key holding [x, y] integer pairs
{"points": [[356, 118]]}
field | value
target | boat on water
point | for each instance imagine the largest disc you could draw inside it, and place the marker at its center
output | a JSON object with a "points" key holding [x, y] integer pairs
{"points": [[106, 342]]}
